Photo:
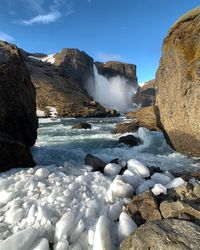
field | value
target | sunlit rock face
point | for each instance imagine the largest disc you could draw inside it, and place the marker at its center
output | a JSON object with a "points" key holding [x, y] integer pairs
{"points": [[178, 85]]}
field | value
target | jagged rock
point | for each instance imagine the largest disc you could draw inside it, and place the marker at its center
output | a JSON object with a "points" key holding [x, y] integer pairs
{"points": [[163, 235], [178, 85], [114, 68], [96, 163], [122, 128], [145, 117], [17, 97], [146, 95], [129, 140], [144, 207], [82, 126]]}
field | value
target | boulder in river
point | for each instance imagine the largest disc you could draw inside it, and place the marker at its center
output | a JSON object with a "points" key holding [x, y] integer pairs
{"points": [[129, 140], [83, 125], [96, 163]]}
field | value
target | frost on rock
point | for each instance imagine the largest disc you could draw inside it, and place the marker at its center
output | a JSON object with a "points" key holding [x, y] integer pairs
{"points": [[158, 189], [137, 167], [112, 169], [20, 241], [102, 237], [126, 226]]}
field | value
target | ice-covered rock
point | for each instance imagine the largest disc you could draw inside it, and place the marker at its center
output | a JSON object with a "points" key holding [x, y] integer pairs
{"points": [[102, 236], [159, 178], [42, 173], [20, 241], [177, 182], [146, 185], [41, 244], [112, 169], [64, 227], [159, 189], [126, 226], [121, 189], [137, 167]]}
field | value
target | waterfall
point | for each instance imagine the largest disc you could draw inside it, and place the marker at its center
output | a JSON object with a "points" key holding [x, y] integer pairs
{"points": [[113, 93]]}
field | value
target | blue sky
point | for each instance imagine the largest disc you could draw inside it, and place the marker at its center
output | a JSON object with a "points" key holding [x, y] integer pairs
{"points": [[126, 30]]}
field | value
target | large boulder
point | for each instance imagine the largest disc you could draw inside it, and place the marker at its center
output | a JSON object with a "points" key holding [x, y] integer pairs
{"points": [[17, 97], [164, 234], [115, 68], [178, 85], [83, 125], [18, 120], [96, 163]]}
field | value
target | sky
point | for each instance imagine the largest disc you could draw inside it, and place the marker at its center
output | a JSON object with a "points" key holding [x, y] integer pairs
{"points": [[130, 31]]}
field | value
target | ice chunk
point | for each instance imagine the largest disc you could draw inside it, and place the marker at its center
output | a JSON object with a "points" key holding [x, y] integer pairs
{"points": [[137, 167], [144, 186], [20, 241], [102, 237], [112, 169], [114, 211], [6, 196], [41, 244], [14, 215], [159, 178], [42, 173], [158, 189], [177, 182], [121, 189], [77, 232], [134, 180], [126, 226], [64, 227], [90, 237], [61, 245]]}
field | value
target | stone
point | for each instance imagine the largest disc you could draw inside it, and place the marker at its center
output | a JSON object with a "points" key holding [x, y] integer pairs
{"points": [[82, 126], [129, 140], [163, 235], [144, 207], [17, 97], [146, 95], [115, 68], [145, 117], [178, 85], [96, 163], [122, 128]]}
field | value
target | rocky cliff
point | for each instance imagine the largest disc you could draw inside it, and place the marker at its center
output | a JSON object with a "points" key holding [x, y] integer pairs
{"points": [[59, 83], [18, 121], [114, 68], [146, 95], [178, 83]]}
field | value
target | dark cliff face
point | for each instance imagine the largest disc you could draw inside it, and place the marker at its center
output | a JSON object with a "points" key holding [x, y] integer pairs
{"points": [[18, 120], [17, 97], [114, 68], [178, 85], [76, 64]]}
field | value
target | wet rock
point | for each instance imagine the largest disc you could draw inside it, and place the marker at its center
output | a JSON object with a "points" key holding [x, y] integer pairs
{"points": [[129, 140], [122, 128], [145, 117], [178, 85], [144, 207], [164, 234], [96, 163], [82, 126]]}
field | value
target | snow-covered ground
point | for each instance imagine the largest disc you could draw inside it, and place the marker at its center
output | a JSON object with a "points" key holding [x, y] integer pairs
{"points": [[67, 205]]}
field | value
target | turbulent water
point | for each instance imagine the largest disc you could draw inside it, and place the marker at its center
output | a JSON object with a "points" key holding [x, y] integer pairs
{"points": [[113, 93], [58, 143]]}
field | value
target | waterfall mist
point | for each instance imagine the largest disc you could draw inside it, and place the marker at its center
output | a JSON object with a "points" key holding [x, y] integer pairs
{"points": [[114, 93]]}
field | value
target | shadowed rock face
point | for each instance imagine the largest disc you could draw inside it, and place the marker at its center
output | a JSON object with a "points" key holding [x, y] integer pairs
{"points": [[17, 97], [178, 85], [114, 68]]}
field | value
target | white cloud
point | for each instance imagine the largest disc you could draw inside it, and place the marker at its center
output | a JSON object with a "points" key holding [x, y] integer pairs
{"points": [[102, 56], [44, 19], [6, 37]]}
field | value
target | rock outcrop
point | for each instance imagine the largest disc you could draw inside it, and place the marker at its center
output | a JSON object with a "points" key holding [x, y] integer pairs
{"points": [[18, 121], [178, 85], [114, 68], [146, 95]]}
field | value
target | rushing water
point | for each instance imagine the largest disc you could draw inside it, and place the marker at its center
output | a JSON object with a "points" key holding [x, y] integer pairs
{"points": [[58, 143]]}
